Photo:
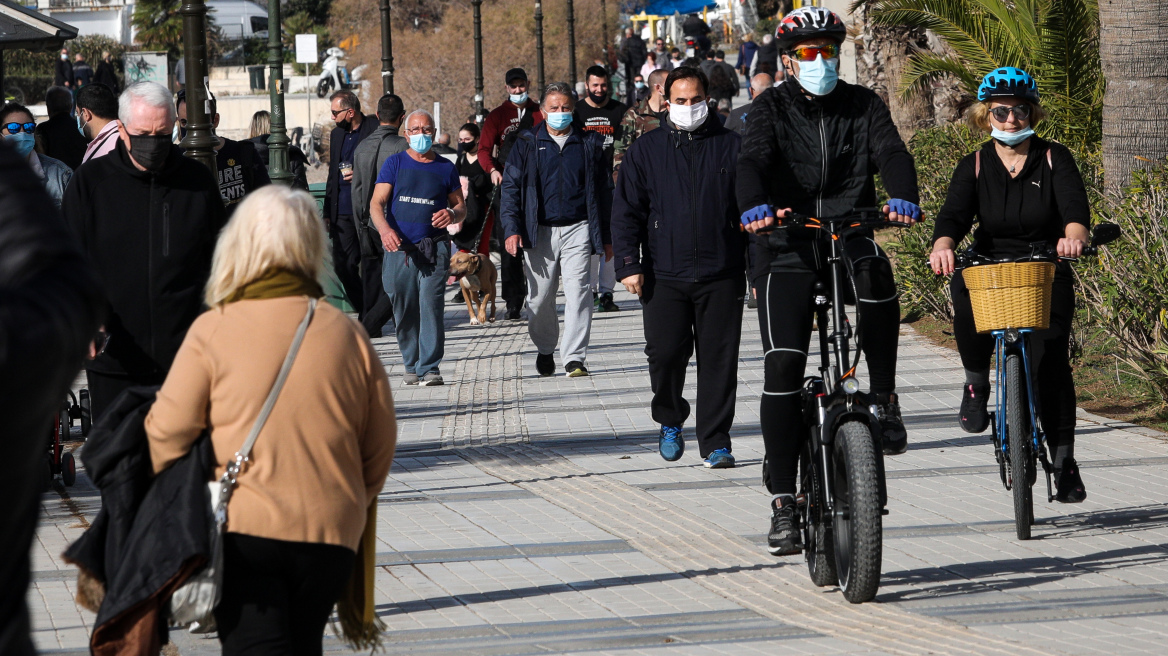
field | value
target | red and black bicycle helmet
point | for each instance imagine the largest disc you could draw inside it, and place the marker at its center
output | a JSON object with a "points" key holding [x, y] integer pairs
{"points": [[809, 23]]}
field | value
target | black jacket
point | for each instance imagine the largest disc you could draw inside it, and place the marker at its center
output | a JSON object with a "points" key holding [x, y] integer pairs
{"points": [[151, 533], [818, 157], [297, 162], [50, 311], [634, 53], [150, 239], [332, 187], [61, 140], [674, 214], [107, 75], [1013, 213], [63, 73]]}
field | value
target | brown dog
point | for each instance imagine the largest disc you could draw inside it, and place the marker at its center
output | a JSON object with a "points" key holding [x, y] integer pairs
{"points": [[477, 275]]}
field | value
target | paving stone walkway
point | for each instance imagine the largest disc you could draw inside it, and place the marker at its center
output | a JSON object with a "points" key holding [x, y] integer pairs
{"points": [[533, 516]]}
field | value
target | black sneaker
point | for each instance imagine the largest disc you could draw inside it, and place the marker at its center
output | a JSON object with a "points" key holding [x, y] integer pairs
{"points": [[973, 414], [887, 409], [606, 304], [785, 538], [545, 365], [512, 314], [457, 298], [1069, 483], [576, 369]]}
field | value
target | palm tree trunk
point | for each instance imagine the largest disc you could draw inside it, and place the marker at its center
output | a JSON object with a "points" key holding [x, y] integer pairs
{"points": [[1134, 55]]}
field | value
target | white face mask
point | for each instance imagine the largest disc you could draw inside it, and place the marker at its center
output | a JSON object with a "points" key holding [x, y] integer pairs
{"points": [[689, 117]]}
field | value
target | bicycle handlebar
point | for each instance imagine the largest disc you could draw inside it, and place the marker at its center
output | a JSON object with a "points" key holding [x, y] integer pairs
{"points": [[861, 217]]}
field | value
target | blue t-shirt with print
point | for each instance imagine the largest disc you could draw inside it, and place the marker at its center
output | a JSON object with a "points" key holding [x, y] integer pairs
{"points": [[419, 190]]}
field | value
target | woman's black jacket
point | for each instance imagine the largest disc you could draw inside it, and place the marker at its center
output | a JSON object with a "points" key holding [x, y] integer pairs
{"points": [[674, 214], [1012, 213]]}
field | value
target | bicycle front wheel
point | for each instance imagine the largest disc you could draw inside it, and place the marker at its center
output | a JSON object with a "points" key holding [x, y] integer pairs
{"points": [[857, 529], [1018, 427]]}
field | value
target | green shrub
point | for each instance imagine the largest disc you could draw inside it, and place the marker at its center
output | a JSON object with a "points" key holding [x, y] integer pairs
{"points": [[936, 151], [1125, 289]]}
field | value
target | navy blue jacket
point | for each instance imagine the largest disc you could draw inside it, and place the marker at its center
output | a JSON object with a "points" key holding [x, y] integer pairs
{"points": [[674, 214], [532, 179]]}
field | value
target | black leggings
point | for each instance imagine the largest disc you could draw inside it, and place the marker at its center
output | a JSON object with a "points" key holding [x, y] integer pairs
{"points": [[785, 311], [278, 595], [1049, 348]]}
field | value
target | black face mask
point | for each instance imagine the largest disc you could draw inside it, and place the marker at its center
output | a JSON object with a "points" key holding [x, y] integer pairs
{"points": [[345, 125], [465, 147], [599, 100], [150, 150]]}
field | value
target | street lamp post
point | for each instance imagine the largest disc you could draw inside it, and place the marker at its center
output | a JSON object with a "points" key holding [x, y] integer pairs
{"points": [[278, 133], [539, 45], [604, 31], [571, 45], [478, 43], [386, 49], [199, 142]]}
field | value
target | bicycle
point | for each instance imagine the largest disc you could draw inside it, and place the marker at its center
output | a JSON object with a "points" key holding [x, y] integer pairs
{"points": [[1016, 430], [842, 491]]}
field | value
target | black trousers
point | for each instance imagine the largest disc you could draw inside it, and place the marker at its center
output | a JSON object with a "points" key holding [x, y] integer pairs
{"points": [[347, 261], [278, 595], [1054, 382], [785, 311], [104, 388], [679, 316], [378, 309], [512, 278]]}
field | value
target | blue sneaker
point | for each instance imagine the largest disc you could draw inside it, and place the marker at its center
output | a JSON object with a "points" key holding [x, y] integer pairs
{"points": [[670, 445], [720, 459]]}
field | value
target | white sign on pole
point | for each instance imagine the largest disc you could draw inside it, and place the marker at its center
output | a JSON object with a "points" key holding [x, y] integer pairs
{"points": [[306, 49]]}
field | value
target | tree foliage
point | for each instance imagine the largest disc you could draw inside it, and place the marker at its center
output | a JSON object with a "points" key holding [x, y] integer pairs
{"points": [[1056, 41], [159, 25]]}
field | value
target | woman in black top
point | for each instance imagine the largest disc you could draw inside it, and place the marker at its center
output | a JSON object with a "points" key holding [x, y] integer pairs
{"points": [[1021, 189], [476, 187]]}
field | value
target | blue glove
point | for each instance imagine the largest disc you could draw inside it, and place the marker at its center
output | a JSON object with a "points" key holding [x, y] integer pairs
{"points": [[756, 214], [905, 208]]}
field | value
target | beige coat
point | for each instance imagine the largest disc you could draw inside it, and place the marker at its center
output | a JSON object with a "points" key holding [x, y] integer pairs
{"points": [[328, 444]]}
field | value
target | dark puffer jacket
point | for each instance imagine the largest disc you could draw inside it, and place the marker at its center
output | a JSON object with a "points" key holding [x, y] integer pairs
{"points": [[150, 238], [674, 214], [817, 156]]}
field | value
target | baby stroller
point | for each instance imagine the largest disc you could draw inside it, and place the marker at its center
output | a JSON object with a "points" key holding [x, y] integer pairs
{"points": [[61, 463]]}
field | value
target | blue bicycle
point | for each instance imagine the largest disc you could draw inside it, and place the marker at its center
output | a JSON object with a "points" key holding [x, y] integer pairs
{"points": [[1017, 435]]}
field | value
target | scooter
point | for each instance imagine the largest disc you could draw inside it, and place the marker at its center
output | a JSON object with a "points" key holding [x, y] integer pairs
{"points": [[334, 74]]}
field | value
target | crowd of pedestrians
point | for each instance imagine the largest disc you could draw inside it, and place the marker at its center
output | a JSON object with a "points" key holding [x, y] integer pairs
{"points": [[205, 288]]}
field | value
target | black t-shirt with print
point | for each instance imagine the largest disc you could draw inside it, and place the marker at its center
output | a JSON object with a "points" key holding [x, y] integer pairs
{"points": [[605, 120], [241, 171]]}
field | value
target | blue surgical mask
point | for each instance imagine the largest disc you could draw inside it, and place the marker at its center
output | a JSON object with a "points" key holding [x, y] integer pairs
{"points": [[421, 143], [640, 85], [518, 98], [819, 77], [559, 120], [22, 142], [1012, 138]]}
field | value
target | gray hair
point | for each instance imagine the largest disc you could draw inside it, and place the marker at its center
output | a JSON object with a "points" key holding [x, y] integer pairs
{"points": [[151, 94], [767, 38], [560, 88], [418, 112]]}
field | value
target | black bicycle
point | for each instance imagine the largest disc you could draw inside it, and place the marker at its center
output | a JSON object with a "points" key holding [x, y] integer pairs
{"points": [[842, 492], [1016, 428]]}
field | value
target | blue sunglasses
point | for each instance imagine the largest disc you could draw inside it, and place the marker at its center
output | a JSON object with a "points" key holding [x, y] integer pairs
{"points": [[14, 128]]}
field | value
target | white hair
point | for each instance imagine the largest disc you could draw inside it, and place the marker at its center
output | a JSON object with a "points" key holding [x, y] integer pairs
{"points": [[767, 38], [151, 94], [418, 112]]}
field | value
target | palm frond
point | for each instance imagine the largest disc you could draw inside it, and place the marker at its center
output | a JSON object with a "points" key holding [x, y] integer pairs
{"points": [[925, 68]]}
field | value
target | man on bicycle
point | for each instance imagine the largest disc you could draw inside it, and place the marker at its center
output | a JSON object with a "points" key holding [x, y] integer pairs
{"points": [[812, 145]]}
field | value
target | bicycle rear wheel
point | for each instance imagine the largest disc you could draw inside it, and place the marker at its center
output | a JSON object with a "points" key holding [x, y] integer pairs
{"points": [[1018, 427], [857, 529]]}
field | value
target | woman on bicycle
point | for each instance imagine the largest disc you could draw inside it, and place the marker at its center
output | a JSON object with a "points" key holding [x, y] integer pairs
{"points": [[1020, 189]]}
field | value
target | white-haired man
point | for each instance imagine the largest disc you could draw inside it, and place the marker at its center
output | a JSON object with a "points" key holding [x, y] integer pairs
{"points": [[417, 195], [147, 218]]}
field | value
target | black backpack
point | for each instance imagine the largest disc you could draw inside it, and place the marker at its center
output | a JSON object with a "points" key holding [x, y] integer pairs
{"points": [[525, 123]]}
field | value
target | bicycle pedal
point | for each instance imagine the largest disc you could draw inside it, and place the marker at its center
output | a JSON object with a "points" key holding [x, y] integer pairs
{"points": [[883, 512]]}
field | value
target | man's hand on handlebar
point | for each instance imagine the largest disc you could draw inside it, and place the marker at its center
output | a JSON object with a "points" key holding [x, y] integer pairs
{"points": [[902, 211], [761, 218], [943, 260]]}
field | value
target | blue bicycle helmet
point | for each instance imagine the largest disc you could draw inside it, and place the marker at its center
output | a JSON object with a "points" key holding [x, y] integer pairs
{"points": [[1008, 81]]}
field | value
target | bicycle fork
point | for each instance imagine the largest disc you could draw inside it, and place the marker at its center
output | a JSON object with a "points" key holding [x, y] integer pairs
{"points": [[1006, 344]]}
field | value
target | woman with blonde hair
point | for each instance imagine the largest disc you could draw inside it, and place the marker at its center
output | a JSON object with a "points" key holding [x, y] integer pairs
{"points": [[298, 511], [1021, 189], [260, 131]]}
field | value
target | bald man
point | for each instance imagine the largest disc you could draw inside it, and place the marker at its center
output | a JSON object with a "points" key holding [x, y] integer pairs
{"points": [[736, 122]]}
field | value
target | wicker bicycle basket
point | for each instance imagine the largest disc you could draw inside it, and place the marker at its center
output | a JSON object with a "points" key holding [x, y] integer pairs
{"points": [[1010, 295]]}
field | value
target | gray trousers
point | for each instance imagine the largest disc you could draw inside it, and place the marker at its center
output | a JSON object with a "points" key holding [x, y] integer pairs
{"points": [[560, 252]]}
